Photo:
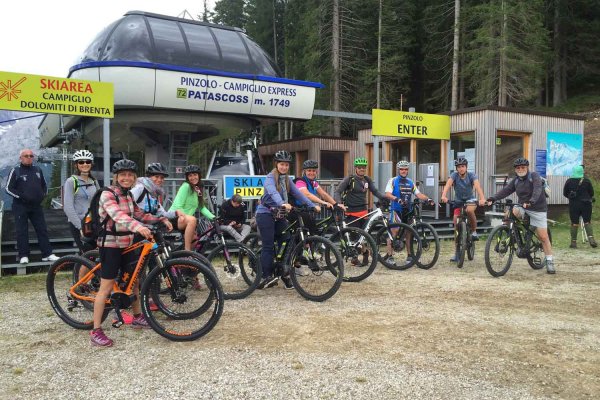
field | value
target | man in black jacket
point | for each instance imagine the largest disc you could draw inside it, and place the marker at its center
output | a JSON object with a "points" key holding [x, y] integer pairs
{"points": [[233, 216], [27, 186]]}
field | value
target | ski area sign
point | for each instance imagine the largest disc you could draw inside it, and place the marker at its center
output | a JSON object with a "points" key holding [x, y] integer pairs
{"points": [[36, 93]]}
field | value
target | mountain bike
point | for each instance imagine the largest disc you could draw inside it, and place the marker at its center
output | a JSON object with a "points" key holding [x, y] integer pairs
{"points": [[392, 240], [430, 241], [173, 306], [313, 263], [513, 237], [463, 240]]}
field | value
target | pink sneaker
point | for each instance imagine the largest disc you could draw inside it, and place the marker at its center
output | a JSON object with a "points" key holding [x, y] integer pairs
{"points": [[139, 322], [98, 338]]}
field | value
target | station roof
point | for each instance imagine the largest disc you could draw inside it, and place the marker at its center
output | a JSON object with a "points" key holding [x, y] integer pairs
{"points": [[153, 40]]}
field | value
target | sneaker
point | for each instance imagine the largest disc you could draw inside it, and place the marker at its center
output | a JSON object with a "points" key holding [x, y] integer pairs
{"points": [[153, 306], [268, 282], [389, 260], [409, 259], [475, 236], [355, 261], [98, 338], [592, 242], [51, 257], [454, 258], [573, 244], [24, 260], [550, 266], [287, 282], [140, 322]]}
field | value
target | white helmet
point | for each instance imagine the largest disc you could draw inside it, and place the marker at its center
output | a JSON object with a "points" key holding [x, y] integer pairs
{"points": [[83, 155], [403, 164]]}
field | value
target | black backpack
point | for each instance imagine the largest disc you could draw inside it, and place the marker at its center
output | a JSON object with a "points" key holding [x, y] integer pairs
{"points": [[91, 226]]}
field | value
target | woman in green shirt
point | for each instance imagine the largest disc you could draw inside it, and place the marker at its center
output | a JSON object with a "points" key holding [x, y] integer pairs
{"points": [[189, 199]]}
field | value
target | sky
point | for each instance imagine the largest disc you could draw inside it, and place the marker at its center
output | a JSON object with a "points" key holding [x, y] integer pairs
{"points": [[46, 37]]}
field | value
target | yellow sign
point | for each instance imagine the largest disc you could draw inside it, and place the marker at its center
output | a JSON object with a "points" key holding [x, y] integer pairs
{"points": [[256, 192], [36, 93], [410, 124]]}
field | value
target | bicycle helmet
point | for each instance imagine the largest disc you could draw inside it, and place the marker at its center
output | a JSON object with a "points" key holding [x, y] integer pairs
{"points": [[156, 169], [283, 156], [460, 161], [83, 155], [310, 164], [360, 162], [520, 161], [124, 165], [192, 169], [402, 164]]}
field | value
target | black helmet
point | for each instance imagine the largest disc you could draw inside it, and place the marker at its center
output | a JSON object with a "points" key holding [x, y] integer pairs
{"points": [[460, 161], [124, 165], [156, 169], [283, 155], [310, 164], [520, 161], [191, 169]]}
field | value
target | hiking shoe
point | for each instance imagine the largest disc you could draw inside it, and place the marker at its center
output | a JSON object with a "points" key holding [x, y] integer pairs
{"points": [[454, 258], [355, 261], [550, 266], [51, 257], [592, 242], [24, 260], [409, 259], [140, 322], [268, 282], [287, 282], [389, 260], [475, 236], [573, 244], [98, 338]]}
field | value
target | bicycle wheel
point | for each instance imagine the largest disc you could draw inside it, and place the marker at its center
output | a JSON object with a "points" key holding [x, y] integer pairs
{"points": [[237, 268], [184, 312], [405, 245], [321, 268], [461, 243], [253, 241], [536, 255], [359, 253], [76, 312], [80, 270], [430, 244], [470, 248], [498, 251]]}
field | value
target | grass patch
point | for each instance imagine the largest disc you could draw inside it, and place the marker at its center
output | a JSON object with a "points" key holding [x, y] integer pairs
{"points": [[23, 283]]}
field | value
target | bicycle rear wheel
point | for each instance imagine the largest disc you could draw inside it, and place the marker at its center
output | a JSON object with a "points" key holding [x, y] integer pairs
{"points": [[359, 253], [430, 244], [537, 255], [470, 248], [185, 311], [76, 312], [498, 251], [253, 241], [461, 243], [405, 246], [321, 269], [237, 268]]}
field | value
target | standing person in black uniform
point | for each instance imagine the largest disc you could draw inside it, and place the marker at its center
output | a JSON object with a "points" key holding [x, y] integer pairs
{"points": [[580, 192], [27, 186]]}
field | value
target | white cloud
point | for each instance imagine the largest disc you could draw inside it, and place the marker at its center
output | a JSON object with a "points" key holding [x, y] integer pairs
{"points": [[46, 37]]}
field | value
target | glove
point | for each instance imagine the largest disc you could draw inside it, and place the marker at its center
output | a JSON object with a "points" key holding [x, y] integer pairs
{"points": [[431, 202], [490, 200]]}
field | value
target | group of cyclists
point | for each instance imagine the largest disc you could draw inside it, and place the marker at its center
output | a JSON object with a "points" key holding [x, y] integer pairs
{"points": [[132, 202]]}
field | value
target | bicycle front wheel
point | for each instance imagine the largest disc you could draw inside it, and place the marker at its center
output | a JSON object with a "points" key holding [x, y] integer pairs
{"points": [[317, 268], [403, 242], [185, 311], [470, 248], [461, 244], [498, 251], [77, 312], [536, 253], [359, 253], [430, 244], [237, 268]]}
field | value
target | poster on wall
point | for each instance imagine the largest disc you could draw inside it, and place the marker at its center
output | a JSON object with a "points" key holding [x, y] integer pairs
{"points": [[540, 162], [564, 151]]}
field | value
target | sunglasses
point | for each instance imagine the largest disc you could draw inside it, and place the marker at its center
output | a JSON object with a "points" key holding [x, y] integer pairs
{"points": [[28, 155], [403, 169], [81, 162]]}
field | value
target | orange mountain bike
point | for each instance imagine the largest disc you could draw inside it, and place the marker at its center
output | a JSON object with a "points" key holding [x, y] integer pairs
{"points": [[173, 302]]}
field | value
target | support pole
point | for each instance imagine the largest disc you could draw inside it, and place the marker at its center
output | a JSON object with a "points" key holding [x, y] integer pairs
{"points": [[106, 150]]}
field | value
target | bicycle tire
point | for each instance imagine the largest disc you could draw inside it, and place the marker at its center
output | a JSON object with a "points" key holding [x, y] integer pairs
{"points": [[536, 255], [253, 241], [499, 244], [185, 312], [470, 248], [430, 245], [398, 246], [322, 276], [78, 314], [94, 257], [202, 259], [241, 274], [351, 250], [461, 244]]}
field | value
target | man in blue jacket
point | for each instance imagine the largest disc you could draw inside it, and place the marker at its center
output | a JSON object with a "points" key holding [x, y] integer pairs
{"points": [[27, 186]]}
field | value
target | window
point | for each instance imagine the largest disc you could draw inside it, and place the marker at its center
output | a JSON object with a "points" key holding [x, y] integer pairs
{"points": [[203, 50], [508, 147], [129, 41], [400, 151], [428, 151], [169, 44], [332, 165]]}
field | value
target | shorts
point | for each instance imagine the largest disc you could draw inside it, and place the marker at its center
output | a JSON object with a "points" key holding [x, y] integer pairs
{"points": [[402, 216], [458, 206], [113, 260], [173, 222], [539, 219]]}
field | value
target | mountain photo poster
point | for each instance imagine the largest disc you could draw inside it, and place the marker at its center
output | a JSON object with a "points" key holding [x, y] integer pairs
{"points": [[564, 151]]}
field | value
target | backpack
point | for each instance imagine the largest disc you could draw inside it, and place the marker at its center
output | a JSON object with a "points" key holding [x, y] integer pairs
{"points": [[76, 187], [545, 185], [91, 226]]}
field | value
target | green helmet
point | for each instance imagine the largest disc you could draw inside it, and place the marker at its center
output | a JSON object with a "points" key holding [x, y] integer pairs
{"points": [[360, 162]]}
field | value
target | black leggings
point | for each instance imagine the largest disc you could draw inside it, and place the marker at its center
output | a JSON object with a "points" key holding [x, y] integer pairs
{"points": [[580, 209]]}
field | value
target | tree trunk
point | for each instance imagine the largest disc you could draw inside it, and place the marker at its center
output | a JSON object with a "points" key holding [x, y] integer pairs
{"points": [[557, 95], [455, 55], [335, 56], [502, 66]]}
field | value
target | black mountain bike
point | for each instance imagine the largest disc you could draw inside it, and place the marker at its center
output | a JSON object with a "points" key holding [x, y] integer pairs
{"points": [[430, 241], [513, 237], [463, 240]]}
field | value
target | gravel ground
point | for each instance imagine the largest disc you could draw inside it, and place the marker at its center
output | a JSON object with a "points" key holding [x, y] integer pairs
{"points": [[446, 333]]}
